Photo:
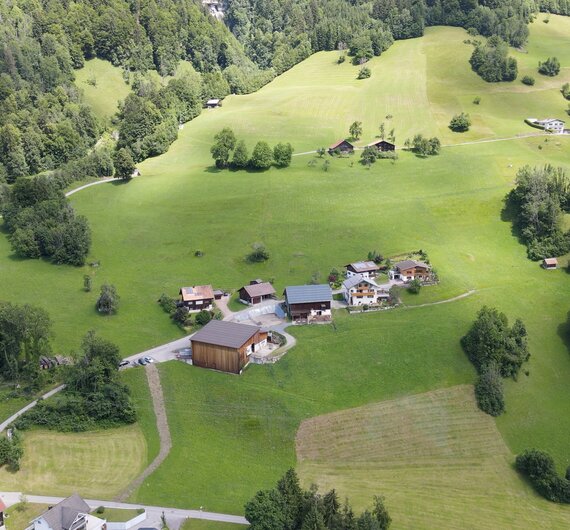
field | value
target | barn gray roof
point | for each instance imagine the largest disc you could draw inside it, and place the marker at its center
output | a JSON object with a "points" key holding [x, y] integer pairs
{"points": [[303, 294], [363, 266], [229, 334], [62, 515]]}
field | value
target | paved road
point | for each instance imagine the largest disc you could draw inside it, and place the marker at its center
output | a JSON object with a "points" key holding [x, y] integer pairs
{"points": [[174, 516], [15, 416]]}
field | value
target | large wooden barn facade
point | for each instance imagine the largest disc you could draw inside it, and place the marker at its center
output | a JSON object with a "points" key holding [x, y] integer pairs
{"points": [[226, 346]]}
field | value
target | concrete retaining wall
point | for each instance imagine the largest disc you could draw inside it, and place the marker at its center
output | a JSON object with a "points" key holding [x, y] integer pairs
{"points": [[128, 524]]}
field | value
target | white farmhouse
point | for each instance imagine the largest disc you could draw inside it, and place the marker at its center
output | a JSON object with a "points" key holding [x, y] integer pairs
{"points": [[359, 290], [553, 125], [368, 269], [70, 514]]}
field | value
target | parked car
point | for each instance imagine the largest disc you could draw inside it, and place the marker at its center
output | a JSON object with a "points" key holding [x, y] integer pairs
{"points": [[124, 362], [148, 360], [142, 361]]}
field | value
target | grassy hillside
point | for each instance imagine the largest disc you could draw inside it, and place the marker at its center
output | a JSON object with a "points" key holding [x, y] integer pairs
{"points": [[414, 450], [233, 435], [95, 464], [108, 90]]}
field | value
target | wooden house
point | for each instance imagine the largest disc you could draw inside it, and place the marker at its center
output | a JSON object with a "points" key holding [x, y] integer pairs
{"points": [[359, 290], [342, 146], [197, 298], [550, 263], [368, 269], [226, 346], [213, 103], [256, 292], [309, 303], [410, 269], [382, 145]]}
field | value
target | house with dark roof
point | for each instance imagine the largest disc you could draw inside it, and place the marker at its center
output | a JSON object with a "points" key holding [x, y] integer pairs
{"points": [[360, 290], [256, 292], [368, 269], [309, 303], [382, 145], [342, 146], [69, 514], [410, 269], [213, 103], [197, 297], [226, 346]]}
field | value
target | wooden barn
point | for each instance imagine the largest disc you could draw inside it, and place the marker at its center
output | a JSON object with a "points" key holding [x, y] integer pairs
{"points": [[382, 145], [309, 303], [342, 146], [197, 297], [550, 263], [226, 346], [256, 292]]}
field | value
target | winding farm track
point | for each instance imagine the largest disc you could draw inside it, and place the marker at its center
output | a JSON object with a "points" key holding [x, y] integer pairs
{"points": [[454, 299], [155, 387], [102, 181]]}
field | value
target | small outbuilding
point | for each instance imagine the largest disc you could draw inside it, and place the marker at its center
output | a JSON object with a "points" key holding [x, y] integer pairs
{"points": [[342, 146], [226, 346], [382, 145], [309, 303], [368, 269], [197, 297], [550, 263], [256, 292], [213, 103]]}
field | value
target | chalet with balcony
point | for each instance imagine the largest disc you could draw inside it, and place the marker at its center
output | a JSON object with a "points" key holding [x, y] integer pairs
{"points": [[411, 269], [359, 290], [197, 298], [307, 304]]}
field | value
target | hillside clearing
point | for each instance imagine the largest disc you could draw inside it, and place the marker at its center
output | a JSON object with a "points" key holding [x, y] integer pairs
{"points": [[417, 450]]}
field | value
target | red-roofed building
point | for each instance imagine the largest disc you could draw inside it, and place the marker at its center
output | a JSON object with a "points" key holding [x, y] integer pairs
{"points": [[2, 510]]}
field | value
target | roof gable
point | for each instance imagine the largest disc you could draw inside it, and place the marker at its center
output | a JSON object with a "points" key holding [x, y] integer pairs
{"points": [[339, 143], [259, 289], [304, 294], [349, 283], [65, 513], [228, 334], [410, 263], [363, 266], [196, 292]]}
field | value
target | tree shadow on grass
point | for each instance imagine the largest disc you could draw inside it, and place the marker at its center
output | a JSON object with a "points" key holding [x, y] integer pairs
{"points": [[564, 332], [509, 215]]}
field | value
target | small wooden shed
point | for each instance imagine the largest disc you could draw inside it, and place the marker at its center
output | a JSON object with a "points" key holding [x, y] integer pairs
{"points": [[550, 263], [342, 146]]}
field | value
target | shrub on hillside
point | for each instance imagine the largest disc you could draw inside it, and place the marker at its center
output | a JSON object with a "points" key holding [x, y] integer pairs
{"points": [[566, 90], [492, 63], [262, 156], [282, 154], [527, 80], [167, 303], [539, 468], [460, 122], [550, 67], [364, 73], [258, 254], [108, 301], [415, 286], [489, 392], [203, 317]]}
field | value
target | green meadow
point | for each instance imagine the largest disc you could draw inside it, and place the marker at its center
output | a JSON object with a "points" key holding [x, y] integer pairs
{"points": [[233, 436]]}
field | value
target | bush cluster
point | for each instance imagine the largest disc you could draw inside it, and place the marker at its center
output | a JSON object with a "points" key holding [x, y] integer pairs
{"points": [[423, 146], [289, 506], [94, 394], [496, 350], [491, 61], [539, 200], [11, 451], [550, 67], [538, 467], [42, 223], [527, 80], [460, 122], [227, 146]]}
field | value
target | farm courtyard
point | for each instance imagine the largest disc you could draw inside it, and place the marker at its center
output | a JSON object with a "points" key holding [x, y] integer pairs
{"points": [[233, 436]]}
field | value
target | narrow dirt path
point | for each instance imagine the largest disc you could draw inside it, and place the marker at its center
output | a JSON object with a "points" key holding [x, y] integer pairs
{"points": [[455, 298], [153, 378]]}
